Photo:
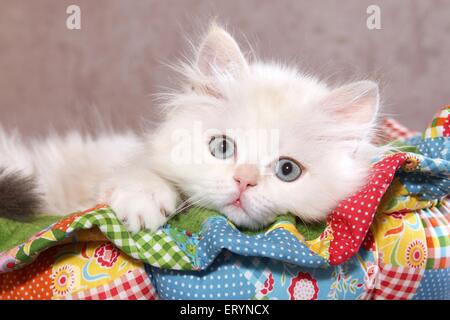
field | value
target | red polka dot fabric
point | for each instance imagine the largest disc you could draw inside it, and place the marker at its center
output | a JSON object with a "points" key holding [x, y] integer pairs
{"points": [[30, 283], [351, 220]]}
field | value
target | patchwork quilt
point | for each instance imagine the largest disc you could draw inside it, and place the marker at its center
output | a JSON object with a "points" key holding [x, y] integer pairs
{"points": [[390, 240]]}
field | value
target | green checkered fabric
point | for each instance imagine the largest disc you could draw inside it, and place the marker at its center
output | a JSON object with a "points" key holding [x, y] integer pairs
{"points": [[157, 248]]}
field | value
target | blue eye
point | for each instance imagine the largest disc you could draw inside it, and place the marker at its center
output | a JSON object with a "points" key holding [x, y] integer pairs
{"points": [[222, 147], [287, 169]]}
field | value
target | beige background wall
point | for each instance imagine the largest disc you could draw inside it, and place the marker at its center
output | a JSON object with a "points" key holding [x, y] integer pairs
{"points": [[54, 77]]}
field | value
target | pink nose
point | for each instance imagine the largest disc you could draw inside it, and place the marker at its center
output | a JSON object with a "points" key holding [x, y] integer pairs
{"points": [[246, 175]]}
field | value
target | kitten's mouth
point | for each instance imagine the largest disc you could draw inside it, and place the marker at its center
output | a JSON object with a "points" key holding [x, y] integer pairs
{"points": [[237, 203]]}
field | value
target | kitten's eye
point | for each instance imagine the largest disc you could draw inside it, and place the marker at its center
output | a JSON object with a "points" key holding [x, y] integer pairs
{"points": [[287, 169], [221, 147]]}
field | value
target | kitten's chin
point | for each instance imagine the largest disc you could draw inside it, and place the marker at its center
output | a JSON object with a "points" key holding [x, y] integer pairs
{"points": [[241, 218]]}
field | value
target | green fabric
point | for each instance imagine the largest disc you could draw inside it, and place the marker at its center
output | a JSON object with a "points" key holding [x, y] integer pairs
{"points": [[157, 248], [192, 220], [400, 146], [13, 233], [173, 247], [310, 231]]}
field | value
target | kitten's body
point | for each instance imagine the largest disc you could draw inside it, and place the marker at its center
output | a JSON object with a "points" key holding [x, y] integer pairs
{"points": [[326, 131], [67, 169]]}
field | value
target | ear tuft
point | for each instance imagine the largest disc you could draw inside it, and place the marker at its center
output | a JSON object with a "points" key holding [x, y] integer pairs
{"points": [[357, 102], [220, 54]]}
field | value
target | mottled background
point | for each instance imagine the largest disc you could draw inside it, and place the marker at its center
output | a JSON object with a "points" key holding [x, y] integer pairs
{"points": [[52, 77]]}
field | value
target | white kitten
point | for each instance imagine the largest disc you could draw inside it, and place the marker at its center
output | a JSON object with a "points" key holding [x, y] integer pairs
{"points": [[251, 140]]}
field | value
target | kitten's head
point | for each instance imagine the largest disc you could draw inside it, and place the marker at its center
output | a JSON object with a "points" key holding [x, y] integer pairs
{"points": [[253, 140]]}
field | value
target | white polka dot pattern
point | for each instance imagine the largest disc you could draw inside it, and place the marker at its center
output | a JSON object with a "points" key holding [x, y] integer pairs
{"points": [[351, 220]]}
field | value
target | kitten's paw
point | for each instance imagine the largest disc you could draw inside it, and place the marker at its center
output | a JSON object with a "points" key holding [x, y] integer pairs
{"points": [[143, 208]]}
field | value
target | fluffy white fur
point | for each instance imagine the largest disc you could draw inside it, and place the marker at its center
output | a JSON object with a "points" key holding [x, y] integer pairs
{"points": [[328, 131]]}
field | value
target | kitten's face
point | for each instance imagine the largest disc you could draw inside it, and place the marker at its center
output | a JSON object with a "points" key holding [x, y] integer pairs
{"points": [[259, 143]]}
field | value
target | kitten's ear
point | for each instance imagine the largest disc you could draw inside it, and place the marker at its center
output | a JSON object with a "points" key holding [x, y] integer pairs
{"points": [[354, 103], [219, 54]]}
